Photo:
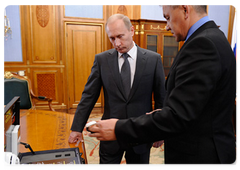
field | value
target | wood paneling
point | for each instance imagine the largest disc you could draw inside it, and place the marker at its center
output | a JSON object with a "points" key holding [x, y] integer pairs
{"points": [[132, 11], [48, 82], [63, 49], [42, 50], [83, 42], [43, 34]]}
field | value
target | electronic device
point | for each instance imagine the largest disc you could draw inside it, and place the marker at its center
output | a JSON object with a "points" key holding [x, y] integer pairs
{"points": [[12, 126], [90, 124], [16, 139], [13, 139], [11, 158], [58, 156], [8, 136]]}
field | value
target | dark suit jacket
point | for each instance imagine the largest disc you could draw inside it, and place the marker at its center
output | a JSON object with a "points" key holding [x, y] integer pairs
{"points": [[196, 120], [149, 78]]}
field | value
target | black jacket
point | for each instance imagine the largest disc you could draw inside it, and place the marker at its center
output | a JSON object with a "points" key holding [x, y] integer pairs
{"points": [[196, 120]]}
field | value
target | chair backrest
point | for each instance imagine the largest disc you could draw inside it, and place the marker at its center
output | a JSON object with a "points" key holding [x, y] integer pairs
{"points": [[17, 87]]}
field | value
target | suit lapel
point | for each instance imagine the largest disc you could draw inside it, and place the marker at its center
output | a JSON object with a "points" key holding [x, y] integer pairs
{"points": [[140, 67], [113, 64]]}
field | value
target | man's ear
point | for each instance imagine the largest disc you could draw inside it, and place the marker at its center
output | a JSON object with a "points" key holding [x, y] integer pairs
{"points": [[132, 30], [186, 10]]}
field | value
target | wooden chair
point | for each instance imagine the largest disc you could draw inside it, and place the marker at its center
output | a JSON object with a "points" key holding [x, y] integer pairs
{"points": [[16, 85]]}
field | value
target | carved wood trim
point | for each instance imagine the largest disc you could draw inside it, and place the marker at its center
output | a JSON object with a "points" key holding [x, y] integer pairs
{"points": [[42, 14], [122, 10]]}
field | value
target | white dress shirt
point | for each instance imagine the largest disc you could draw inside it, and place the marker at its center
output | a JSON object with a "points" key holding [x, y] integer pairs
{"points": [[132, 61]]}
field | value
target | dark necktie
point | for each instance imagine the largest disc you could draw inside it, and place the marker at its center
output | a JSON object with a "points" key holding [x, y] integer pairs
{"points": [[126, 74]]}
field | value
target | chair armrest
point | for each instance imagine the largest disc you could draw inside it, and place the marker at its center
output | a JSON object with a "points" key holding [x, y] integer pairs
{"points": [[43, 98]]}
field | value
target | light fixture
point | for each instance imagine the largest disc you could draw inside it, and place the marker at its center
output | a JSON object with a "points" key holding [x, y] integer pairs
{"points": [[7, 28]]}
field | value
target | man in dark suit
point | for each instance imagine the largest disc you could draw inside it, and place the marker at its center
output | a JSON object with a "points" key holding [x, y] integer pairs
{"points": [[145, 77], [196, 120]]}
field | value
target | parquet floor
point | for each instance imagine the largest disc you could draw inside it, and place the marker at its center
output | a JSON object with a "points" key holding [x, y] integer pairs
{"points": [[92, 144]]}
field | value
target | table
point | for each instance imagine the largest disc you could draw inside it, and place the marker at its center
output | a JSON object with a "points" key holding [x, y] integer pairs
{"points": [[47, 130]]}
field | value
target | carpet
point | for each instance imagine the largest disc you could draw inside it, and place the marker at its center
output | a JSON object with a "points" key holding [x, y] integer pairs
{"points": [[92, 148]]}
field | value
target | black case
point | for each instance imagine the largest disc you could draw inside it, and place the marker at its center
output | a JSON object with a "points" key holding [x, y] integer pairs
{"points": [[58, 156]]}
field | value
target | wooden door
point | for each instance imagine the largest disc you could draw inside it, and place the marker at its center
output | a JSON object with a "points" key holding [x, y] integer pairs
{"points": [[84, 41]]}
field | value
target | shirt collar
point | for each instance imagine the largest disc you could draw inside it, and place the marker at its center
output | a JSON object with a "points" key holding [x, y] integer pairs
{"points": [[131, 52], [197, 25]]}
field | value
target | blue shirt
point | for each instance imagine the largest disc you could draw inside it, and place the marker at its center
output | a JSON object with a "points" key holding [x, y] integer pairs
{"points": [[195, 26]]}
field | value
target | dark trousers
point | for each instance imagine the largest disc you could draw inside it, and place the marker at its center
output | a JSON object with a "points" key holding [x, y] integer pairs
{"points": [[130, 156]]}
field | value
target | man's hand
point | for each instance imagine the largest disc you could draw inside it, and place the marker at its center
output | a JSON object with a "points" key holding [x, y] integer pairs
{"points": [[74, 137], [153, 111], [104, 130]]}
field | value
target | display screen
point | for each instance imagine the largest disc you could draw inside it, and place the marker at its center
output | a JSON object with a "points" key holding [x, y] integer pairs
{"points": [[57, 161], [11, 116], [58, 156]]}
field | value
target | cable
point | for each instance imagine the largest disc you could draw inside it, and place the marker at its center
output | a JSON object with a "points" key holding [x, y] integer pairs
{"points": [[28, 146]]}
